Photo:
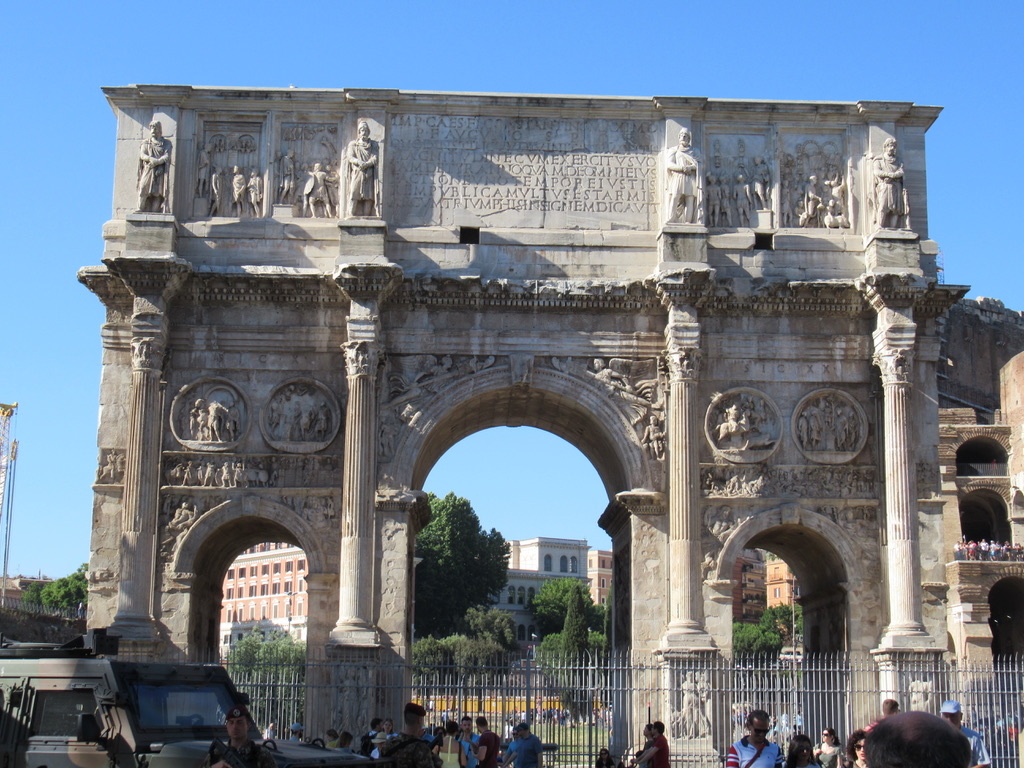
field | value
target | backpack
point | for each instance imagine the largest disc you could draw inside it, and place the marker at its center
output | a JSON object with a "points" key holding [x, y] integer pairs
{"points": [[366, 744]]}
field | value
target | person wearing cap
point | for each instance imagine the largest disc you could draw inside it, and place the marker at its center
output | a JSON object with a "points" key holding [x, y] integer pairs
{"points": [[408, 749], [241, 750], [296, 732], [953, 713], [526, 751]]}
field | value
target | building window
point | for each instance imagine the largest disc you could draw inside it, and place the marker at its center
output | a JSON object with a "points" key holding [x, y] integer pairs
{"points": [[231, 593], [563, 564], [529, 594], [301, 566], [522, 596], [531, 632], [777, 591], [604, 582], [521, 633], [574, 565], [252, 590], [511, 595], [252, 613], [288, 566], [277, 567], [547, 563], [274, 608], [241, 572], [275, 588], [231, 573], [287, 587]]}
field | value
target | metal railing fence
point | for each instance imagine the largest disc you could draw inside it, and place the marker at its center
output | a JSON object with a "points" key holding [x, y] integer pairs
{"points": [[604, 700]]}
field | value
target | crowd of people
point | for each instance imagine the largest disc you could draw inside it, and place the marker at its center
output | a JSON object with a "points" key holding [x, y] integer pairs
{"points": [[895, 740], [988, 551]]}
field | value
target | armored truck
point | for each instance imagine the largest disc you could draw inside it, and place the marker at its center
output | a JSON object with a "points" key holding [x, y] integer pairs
{"points": [[73, 706]]}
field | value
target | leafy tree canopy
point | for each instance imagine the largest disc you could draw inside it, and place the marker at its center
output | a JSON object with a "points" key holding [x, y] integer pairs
{"points": [[773, 631], [456, 650], [254, 651], [493, 625], [65, 592], [462, 566], [550, 606]]}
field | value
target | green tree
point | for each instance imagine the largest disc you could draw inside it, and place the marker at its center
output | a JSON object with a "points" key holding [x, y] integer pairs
{"points": [[462, 566], [493, 625], [574, 632], [68, 591], [773, 631], [33, 593], [550, 605]]}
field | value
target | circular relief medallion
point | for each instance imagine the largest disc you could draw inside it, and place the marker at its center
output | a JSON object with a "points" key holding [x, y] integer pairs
{"points": [[209, 415], [829, 427], [743, 426], [302, 416]]}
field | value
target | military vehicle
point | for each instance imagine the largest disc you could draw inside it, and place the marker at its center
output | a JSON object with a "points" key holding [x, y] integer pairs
{"points": [[73, 706]]}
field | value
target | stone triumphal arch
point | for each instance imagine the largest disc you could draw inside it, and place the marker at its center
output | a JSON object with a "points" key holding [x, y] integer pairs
{"points": [[729, 306]]}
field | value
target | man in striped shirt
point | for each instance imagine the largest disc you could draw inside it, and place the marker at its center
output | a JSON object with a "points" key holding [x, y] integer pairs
{"points": [[754, 750]]}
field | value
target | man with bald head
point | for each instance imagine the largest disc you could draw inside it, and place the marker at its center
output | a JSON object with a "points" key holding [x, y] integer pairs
{"points": [[916, 740]]}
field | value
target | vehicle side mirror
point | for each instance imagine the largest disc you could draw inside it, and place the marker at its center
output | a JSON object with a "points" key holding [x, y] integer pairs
{"points": [[88, 730]]}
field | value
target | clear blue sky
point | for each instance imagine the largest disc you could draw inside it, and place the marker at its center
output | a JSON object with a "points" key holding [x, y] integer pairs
{"points": [[57, 140]]}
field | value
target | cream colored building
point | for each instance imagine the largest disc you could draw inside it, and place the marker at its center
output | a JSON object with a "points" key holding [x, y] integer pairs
{"points": [[732, 308]]}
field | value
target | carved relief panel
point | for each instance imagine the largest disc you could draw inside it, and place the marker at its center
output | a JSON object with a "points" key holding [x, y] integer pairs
{"points": [[743, 426], [739, 183], [829, 427], [301, 416], [307, 170], [816, 182], [230, 172], [209, 415]]}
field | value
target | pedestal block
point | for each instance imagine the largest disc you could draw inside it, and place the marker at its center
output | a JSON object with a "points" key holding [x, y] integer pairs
{"points": [[151, 233]]}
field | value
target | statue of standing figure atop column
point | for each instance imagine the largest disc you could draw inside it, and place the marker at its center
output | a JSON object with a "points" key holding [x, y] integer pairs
{"points": [[682, 169], [361, 159], [154, 162], [892, 210]]}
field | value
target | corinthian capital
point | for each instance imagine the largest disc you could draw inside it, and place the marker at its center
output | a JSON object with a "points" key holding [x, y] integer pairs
{"points": [[148, 352], [683, 363], [360, 358], [896, 365]]}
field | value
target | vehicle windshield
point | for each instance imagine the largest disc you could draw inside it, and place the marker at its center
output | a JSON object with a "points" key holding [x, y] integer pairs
{"points": [[181, 704]]}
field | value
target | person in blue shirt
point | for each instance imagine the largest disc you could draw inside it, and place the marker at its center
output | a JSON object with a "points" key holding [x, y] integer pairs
{"points": [[526, 751]]}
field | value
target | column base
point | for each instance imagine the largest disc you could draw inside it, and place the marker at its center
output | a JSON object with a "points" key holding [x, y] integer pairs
{"points": [[686, 636], [355, 632], [908, 637], [133, 628]]}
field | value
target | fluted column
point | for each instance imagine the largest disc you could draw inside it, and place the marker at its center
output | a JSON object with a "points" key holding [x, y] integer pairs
{"points": [[682, 334], [153, 282], [366, 286], [894, 339]]}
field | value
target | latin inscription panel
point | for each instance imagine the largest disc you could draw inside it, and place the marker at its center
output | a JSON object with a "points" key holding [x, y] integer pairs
{"points": [[451, 170]]}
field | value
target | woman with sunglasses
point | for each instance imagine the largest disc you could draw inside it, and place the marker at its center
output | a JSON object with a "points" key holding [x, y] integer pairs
{"points": [[855, 749], [604, 760], [828, 752]]}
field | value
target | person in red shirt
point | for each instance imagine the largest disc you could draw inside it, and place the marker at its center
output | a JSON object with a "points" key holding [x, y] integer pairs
{"points": [[487, 747], [656, 755]]}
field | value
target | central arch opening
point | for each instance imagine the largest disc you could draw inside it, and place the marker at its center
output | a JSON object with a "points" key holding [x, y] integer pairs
{"points": [[544, 496], [817, 568]]}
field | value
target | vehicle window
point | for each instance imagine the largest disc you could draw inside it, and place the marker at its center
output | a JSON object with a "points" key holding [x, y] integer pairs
{"points": [[56, 712], [181, 706]]}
